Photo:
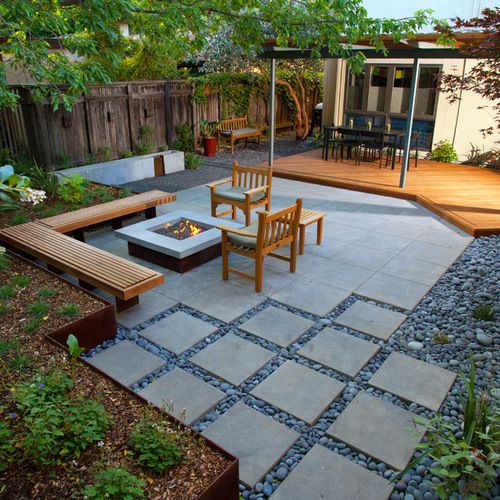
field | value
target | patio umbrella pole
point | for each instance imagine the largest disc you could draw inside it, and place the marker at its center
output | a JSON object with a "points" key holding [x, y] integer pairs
{"points": [[409, 122], [272, 115]]}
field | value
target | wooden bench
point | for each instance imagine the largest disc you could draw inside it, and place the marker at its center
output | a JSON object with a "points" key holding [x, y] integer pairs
{"points": [[310, 217], [237, 128], [114, 210], [92, 266]]}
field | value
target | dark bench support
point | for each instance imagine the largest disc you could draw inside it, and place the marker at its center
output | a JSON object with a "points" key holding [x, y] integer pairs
{"points": [[117, 223], [150, 213], [121, 305], [86, 285], [79, 235]]}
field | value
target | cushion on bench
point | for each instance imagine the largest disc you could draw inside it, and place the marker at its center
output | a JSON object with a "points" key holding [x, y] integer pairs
{"points": [[239, 131], [238, 194]]}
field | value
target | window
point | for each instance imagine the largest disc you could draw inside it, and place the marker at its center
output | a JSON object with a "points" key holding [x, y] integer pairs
{"points": [[400, 97], [378, 88], [426, 93], [355, 91]]}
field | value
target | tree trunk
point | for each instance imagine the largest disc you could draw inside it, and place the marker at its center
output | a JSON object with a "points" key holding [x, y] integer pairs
{"points": [[299, 124]]}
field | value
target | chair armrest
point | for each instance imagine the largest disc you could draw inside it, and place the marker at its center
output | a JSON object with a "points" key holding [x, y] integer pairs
{"points": [[235, 230], [213, 185], [249, 192]]}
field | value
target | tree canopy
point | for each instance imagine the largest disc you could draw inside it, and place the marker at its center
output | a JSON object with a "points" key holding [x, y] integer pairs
{"points": [[33, 32]]}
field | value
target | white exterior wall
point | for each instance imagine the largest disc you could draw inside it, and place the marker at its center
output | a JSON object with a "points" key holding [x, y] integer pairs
{"points": [[459, 122]]}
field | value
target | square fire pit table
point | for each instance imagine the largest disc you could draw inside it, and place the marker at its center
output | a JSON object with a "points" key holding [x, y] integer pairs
{"points": [[179, 240]]}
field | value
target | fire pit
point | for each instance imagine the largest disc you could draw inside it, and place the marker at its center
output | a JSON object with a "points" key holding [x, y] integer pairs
{"points": [[179, 240]]}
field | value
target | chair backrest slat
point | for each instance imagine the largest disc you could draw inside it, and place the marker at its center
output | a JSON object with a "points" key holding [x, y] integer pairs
{"points": [[251, 177]]}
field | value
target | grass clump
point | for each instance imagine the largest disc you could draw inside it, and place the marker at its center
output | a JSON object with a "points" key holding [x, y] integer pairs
{"points": [[32, 326], [38, 309], [484, 312], [69, 311], [20, 217], [46, 293], [440, 338], [21, 281], [6, 292], [4, 309]]}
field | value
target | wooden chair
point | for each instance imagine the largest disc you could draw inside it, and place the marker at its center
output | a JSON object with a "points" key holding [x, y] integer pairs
{"points": [[260, 239], [250, 188]]}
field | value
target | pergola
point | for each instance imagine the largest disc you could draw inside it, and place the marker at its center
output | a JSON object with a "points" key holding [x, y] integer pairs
{"points": [[423, 46]]}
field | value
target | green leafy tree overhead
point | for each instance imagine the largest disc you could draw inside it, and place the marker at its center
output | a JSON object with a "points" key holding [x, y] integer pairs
{"points": [[33, 32]]}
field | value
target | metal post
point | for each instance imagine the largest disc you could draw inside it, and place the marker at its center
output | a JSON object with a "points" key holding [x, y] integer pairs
{"points": [[409, 122], [272, 111]]}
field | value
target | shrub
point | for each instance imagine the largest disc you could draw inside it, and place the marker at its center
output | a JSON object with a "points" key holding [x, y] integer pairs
{"points": [[68, 310], [102, 194], [72, 189], [155, 446], [185, 138], [7, 448], [192, 161], [115, 484], [444, 152], [38, 309], [484, 312], [126, 153], [43, 179], [46, 292]]}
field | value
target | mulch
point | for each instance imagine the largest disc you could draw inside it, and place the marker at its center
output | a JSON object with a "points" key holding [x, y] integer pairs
{"points": [[200, 465]]}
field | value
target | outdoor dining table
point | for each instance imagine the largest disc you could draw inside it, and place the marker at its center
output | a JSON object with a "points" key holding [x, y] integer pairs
{"points": [[393, 136]]}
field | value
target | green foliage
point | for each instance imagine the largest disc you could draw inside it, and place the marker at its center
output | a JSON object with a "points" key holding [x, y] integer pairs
{"points": [[33, 325], [102, 194], [4, 259], [440, 338], [145, 143], [46, 293], [484, 312], [478, 157], [20, 217], [444, 152], [69, 311], [7, 445], [4, 309], [74, 348], [192, 161], [154, 446], [207, 128], [115, 484], [126, 153], [38, 309], [6, 292], [185, 138], [21, 281], [54, 424], [105, 154], [125, 192], [71, 189]]}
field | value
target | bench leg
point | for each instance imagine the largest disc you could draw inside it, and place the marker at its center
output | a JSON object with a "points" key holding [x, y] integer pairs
{"points": [[85, 285], [150, 213], [121, 305], [319, 234], [302, 239], [79, 235], [53, 269], [117, 223]]}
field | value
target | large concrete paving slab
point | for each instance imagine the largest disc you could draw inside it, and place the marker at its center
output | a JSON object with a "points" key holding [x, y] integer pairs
{"points": [[311, 296], [232, 358], [299, 390], [340, 274], [371, 319], [178, 332], [277, 325], [325, 475], [182, 395], [257, 440], [435, 254], [340, 351], [126, 362], [224, 301], [414, 380], [414, 270], [380, 429]]}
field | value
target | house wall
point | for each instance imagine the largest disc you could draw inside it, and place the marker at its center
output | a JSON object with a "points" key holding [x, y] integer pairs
{"points": [[459, 122]]}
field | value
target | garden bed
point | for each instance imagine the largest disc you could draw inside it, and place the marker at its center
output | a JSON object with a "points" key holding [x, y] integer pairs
{"points": [[204, 471]]}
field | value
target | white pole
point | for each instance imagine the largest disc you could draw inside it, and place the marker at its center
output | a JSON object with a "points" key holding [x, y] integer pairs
{"points": [[409, 122], [272, 111]]}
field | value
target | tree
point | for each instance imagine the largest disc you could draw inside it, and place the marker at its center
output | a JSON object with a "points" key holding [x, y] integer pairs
{"points": [[33, 32], [484, 77]]}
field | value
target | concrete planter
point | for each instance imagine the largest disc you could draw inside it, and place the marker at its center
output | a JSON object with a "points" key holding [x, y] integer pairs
{"points": [[131, 169]]}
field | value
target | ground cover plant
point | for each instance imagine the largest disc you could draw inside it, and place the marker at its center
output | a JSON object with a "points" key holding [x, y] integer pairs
{"points": [[66, 431]]}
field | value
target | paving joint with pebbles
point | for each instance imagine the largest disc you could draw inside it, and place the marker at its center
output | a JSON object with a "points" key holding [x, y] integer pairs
{"points": [[437, 310]]}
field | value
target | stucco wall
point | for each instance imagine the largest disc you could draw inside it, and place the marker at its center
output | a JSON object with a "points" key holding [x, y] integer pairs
{"points": [[459, 122]]}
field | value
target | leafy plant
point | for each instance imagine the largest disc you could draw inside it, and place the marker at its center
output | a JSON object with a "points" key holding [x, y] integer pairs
{"points": [[155, 447], [481, 158], [20, 217], [71, 189], [484, 312], [444, 152], [44, 179], [115, 484], [102, 194], [145, 143], [63, 160], [74, 348], [126, 153], [4, 259], [105, 154], [185, 138], [207, 128], [46, 293], [192, 161], [21, 281], [68, 310], [7, 445], [6, 292], [14, 187], [124, 193], [440, 338], [38, 309]]}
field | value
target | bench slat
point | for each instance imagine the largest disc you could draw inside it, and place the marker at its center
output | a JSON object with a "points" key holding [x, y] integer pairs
{"points": [[88, 216]]}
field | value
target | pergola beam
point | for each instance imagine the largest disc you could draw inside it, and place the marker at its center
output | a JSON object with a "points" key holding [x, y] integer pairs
{"points": [[272, 111]]}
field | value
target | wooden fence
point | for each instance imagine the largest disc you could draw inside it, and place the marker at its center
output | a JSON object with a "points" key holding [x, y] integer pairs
{"points": [[113, 120]]}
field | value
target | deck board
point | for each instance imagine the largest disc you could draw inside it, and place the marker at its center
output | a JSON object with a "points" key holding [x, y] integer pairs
{"points": [[468, 197]]}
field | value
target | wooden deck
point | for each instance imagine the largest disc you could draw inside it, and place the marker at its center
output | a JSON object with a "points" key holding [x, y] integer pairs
{"points": [[468, 197]]}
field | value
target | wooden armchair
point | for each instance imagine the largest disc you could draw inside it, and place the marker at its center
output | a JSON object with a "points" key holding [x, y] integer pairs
{"points": [[250, 188], [258, 240]]}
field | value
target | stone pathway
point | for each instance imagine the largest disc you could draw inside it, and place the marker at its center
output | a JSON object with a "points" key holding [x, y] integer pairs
{"points": [[303, 381]]}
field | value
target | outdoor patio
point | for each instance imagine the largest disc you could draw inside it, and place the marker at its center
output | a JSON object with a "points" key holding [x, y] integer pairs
{"points": [[284, 378]]}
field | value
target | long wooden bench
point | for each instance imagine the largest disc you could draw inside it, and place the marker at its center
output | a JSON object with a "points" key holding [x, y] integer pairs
{"points": [[92, 266], [79, 219], [237, 128]]}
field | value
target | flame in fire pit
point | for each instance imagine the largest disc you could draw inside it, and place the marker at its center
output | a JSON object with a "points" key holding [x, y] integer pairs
{"points": [[183, 229]]}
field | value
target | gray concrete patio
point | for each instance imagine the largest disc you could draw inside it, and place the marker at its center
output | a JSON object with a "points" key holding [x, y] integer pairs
{"points": [[279, 377]]}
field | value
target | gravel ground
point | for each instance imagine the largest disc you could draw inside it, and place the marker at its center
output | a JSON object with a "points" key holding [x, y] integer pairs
{"points": [[217, 167]]}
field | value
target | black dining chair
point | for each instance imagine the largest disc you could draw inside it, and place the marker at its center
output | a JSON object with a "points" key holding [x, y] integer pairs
{"points": [[373, 145], [349, 143], [414, 146]]}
